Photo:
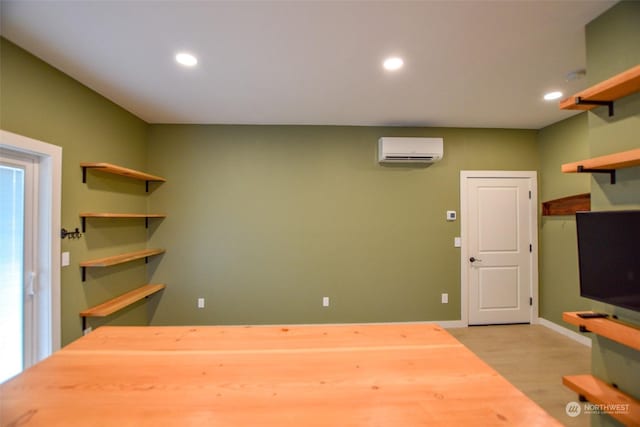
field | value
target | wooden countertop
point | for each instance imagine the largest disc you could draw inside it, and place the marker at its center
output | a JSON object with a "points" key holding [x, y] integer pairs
{"points": [[353, 375]]}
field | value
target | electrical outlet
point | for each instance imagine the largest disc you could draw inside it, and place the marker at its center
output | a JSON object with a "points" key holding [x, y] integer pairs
{"points": [[325, 301], [65, 259], [445, 298], [451, 215], [87, 330], [200, 302]]}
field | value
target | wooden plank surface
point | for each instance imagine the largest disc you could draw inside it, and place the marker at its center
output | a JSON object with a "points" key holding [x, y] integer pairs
{"points": [[122, 301], [353, 375], [614, 88], [119, 215], [119, 170], [121, 258], [567, 205], [614, 330], [616, 404], [625, 159]]}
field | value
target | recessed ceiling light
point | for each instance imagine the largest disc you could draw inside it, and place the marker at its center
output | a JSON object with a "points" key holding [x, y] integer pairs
{"points": [[552, 95], [186, 59], [393, 63]]}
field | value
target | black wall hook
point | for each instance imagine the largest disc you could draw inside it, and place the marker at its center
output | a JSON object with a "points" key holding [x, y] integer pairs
{"points": [[64, 234]]}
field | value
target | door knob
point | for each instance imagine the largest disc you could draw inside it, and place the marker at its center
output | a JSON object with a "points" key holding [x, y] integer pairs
{"points": [[472, 259]]}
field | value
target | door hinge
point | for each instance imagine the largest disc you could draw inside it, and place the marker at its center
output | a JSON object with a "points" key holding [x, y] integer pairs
{"points": [[529, 194], [530, 300]]}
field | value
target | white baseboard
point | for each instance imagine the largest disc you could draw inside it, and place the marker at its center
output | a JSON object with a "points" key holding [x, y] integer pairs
{"points": [[582, 339], [446, 324], [449, 324]]}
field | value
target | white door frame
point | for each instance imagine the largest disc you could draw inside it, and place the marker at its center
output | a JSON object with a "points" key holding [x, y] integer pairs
{"points": [[533, 230], [49, 159]]}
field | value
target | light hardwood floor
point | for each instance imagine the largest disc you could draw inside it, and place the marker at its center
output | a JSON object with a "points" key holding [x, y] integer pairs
{"points": [[534, 359]]}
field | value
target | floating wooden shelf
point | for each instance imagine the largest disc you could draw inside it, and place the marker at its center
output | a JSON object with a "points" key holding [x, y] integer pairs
{"points": [[614, 330], [119, 215], [616, 404], [625, 159], [567, 205], [604, 93], [119, 259], [119, 170], [146, 217], [121, 301], [606, 164]]}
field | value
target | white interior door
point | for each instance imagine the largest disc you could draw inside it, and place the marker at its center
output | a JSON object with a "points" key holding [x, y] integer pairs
{"points": [[499, 240]]}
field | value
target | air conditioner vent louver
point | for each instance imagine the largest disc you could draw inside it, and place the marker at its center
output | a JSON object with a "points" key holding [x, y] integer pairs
{"points": [[409, 157], [409, 150]]}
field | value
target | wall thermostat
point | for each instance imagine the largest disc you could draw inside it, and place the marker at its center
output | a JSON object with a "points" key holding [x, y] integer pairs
{"points": [[451, 215]]}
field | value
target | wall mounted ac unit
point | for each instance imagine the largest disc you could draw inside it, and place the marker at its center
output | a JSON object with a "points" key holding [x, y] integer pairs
{"points": [[409, 150]]}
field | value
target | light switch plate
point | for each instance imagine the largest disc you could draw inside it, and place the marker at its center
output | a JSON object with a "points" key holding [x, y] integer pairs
{"points": [[451, 215]]}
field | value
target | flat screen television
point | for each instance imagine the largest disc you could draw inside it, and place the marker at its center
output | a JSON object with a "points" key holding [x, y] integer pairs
{"points": [[609, 257]]}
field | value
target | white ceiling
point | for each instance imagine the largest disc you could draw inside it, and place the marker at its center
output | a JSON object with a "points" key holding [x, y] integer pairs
{"points": [[467, 63]]}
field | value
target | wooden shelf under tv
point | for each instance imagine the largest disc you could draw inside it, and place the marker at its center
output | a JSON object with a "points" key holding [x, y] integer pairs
{"points": [[567, 205], [598, 392], [605, 92], [628, 335]]}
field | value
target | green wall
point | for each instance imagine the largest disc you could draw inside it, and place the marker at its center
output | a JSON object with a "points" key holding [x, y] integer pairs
{"points": [[563, 142], [40, 102], [612, 47], [263, 221]]}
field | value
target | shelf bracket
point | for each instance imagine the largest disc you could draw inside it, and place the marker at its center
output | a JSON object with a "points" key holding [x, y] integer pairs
{"points": [[146, 186], [583, 329], [84, 273], [84, 224], [146, 222], [611, 172], [84, 175], [580, 101], [84, 323]]}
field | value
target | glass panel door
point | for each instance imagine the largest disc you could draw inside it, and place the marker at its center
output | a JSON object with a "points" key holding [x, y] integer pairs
{"points": [[12, 269], [30, 178]]}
